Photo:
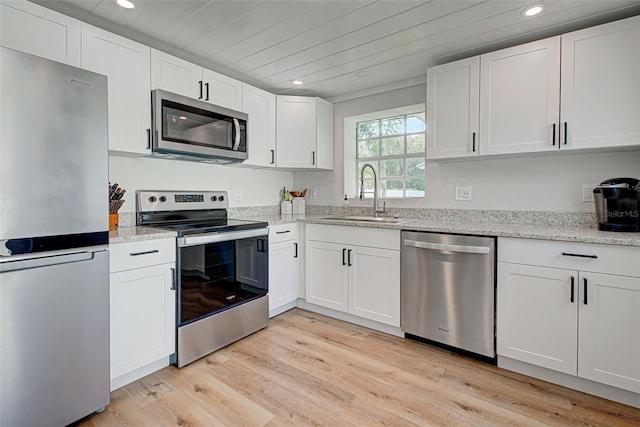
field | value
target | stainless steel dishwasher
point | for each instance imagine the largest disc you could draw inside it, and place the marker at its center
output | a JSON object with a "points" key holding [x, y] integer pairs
{"points": [[448, 290]]}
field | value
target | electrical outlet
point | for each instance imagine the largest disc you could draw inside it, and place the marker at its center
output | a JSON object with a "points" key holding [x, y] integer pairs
{"points": [[587, 192], [238, 194], [312, 194], [463, 192]]}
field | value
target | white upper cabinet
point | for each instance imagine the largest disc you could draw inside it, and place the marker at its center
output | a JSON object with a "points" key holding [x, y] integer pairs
{"points": [[184, 78], [576, 91], [176, 75], [126, 64], [39, 31], [222, 90], [453, 109], [261, 133], [519, 98], [304, 133], [601, 86]]}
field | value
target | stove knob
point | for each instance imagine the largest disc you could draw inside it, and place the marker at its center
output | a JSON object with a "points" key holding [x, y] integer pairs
{"points": [[214, 198], [163, 198], [152, 199], [221, 198]]}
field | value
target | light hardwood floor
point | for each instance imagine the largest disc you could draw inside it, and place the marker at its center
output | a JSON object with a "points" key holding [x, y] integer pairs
{"points": [[307, 369]]}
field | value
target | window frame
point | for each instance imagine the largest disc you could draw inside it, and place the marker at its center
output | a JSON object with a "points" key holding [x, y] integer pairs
{"points": [[376, 161]]}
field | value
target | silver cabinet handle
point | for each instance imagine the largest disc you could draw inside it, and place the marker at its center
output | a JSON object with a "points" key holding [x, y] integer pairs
{"points": [[236, 125], [46, 261], [444, 247], [153, 251]]}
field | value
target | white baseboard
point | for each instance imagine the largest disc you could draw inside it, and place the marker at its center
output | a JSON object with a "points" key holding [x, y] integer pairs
{"points": [[570, 381], [281, 309], [132, 376], [371, 324]]}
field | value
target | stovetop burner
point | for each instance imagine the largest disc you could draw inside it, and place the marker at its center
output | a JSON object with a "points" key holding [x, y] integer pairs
{"points": [[189, 212]]}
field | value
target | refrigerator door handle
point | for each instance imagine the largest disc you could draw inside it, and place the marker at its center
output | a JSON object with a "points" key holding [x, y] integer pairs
{"points": [[25, 264]]}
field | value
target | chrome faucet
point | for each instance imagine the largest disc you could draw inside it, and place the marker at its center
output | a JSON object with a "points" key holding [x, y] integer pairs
{"points": [[376, 208]]}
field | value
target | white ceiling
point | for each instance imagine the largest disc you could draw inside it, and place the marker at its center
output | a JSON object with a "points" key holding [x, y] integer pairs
{"points": [[268, 43]]}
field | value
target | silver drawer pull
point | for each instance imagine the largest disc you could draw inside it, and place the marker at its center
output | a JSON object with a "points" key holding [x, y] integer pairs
{"points": [[451, 248], [154, 251], [579, 255]]}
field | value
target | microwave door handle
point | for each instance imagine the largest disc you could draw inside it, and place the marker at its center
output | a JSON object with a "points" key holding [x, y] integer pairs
{"points": [[236, 127]]}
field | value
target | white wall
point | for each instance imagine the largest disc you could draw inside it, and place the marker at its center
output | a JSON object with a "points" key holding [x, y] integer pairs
{"points": [[259, 187], [549, 182]]}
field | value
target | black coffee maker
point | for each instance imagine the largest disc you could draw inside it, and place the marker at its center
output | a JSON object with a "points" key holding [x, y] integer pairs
{"points": [[618, 204]]}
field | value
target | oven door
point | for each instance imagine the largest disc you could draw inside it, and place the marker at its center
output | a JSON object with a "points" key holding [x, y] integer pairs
{"points": [[219, 271]]}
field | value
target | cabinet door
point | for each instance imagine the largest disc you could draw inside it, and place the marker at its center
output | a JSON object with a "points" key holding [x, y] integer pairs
{"points": [[176, 75], [453, 109], [143, 307], [222, 90], [261, 108], [520, 98], [600, 86], [536, 318], [283, 275], [126, 64], [374, 284], [609, 330], [324, 135], [39, 31], [296, 132], [327, 275]]}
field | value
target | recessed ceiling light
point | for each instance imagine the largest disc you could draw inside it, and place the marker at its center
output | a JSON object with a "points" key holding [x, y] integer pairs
{"points": [[297, 82], [533, 10], [127, 4], [362, 74]]}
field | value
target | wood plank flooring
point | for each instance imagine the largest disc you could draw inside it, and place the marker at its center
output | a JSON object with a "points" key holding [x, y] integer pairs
{"points": [[308, 369]]}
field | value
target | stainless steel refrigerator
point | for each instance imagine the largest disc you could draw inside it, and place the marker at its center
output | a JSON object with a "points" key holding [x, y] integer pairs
{"points": [[54, 263]]}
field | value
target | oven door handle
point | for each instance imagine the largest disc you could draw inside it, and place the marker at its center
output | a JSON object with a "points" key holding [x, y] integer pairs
{"points": [[203, 239]]}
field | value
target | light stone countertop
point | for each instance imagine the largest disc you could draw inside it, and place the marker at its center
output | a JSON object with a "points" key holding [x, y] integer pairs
{"points": [[133, 234], [582, 234]]}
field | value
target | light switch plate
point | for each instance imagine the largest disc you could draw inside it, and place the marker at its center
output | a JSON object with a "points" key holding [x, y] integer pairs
{"points": [[587, 192]]}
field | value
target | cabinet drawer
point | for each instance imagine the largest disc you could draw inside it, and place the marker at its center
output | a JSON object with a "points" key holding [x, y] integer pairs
{"points": [[130, 255], [283, 232], [360, 236], [610, 259]]}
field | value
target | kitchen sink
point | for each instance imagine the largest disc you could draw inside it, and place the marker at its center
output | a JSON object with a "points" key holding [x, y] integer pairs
{"points": [[377, 219]]}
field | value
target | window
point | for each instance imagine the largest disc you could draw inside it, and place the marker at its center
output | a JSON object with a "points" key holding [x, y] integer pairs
{"points": [[395, 147]]}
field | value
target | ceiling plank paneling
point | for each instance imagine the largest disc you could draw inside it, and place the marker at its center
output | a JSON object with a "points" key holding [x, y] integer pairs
{"points": [[268, 43]]}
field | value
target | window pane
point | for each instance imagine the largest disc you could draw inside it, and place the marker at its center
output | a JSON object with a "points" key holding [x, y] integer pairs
{"points": [[415, 166], [393, 126], [367, 171], [415, 187], [368, 188], [393, 146], [415, 143], [415, 123], [393, 188], [369, 129], [391, 167], [369, 148]]}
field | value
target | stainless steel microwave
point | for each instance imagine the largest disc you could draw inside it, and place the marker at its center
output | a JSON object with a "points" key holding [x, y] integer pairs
{"points": [[189, 129]]}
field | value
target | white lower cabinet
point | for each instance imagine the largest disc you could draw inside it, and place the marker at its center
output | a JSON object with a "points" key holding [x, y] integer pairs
{"points": [[572, 308], [355, 270], [284, 253], [142, 308]]}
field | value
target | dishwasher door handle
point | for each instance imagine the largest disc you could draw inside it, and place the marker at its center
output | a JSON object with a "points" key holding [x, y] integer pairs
{"points": [[446, 247]]}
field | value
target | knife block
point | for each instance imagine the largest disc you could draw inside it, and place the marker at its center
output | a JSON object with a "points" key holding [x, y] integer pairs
{"points": [[113, 222]]}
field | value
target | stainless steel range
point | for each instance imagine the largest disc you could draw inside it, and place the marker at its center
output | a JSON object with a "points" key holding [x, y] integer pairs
{"points": [[222, 269]]}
